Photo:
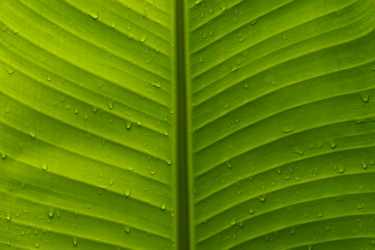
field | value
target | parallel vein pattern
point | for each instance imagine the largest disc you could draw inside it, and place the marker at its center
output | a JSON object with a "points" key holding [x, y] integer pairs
{"points": [[283, 123], [86, 124]]}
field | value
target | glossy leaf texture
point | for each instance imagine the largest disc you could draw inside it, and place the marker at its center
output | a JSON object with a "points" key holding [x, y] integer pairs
{"points": [[86, 124], [280, 116], [283, 123]]}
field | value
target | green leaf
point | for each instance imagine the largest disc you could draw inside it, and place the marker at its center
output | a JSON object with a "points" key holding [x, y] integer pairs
{"points": [[210, 124]]}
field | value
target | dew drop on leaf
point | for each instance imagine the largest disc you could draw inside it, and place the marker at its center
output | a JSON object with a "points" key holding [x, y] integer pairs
{"points": [[365, 98], [44, 166], [75, 241], [341, 169], [360, 205], [128, 125], [94, 15], [229, 165], [10, 71], [111, 181], [127, 193], [332, 144], [288, 127], [262, 198], [127, 229], [251, 211], [110, 104], [3, 155], [37, 245], [143, 38], [364, 164], [299, 151], [51, 212], [33, 135], [163, 206]]}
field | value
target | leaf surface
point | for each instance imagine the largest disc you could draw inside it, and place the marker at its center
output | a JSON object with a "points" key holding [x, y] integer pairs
{"points": [[207, 124]]}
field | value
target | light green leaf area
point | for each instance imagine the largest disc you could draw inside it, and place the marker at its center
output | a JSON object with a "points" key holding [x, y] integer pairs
{"points": [[197, 124]]}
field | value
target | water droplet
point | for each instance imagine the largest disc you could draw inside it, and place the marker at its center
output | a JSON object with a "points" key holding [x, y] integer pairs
{"points": [[49, 78], [278, 170], [33, 135], [246, 86], [332, 144], [51, 212], [365, 98], [152, 172], [229, 165], [169, 162], [143, 38], [234, 68], [10, 71], [94, 15], [299, 151], [37, 245], [360, 205], [233, 221], [127, 229], [3, 155], [156, 84], [9, 243], [94, 109], [110, 104], [196, 2], [128, 125], [44, 166], [76, 111], [8, 217], [364, 164], [111, 181], [340, 169], [288, 127], [251, 211], [254, 22], [285, 36], [262, 198], [85, 117], [75, 241], [127, 193], [163, 206]]}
